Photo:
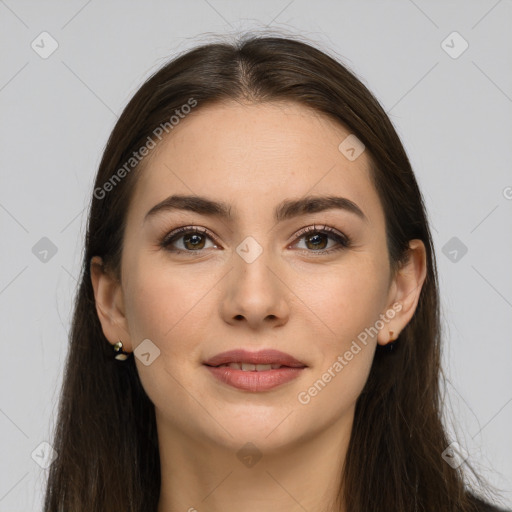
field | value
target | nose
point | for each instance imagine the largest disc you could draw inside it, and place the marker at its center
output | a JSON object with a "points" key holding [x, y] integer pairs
{"points": [[255, 294]]}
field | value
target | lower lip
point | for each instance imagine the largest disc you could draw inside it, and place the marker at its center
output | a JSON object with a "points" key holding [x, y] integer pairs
{"points": [[253, 380]]}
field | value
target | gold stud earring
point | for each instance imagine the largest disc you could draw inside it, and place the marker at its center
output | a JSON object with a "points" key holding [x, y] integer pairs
{"points": [[119, 353], [391, 345]]}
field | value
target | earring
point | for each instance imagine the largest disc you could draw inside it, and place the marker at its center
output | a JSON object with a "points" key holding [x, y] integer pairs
{"points": [[119, 353], [392, 342]]}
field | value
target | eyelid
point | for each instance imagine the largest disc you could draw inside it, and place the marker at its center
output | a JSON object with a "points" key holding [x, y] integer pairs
{"points": [[321, 228], [187, 229]]}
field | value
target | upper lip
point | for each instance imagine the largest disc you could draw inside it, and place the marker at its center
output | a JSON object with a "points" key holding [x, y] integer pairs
{"points": [[267, 356]]}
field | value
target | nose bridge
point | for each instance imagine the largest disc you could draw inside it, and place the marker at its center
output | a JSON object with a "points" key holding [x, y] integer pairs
{"points": [[252, 274], [250, 250], [255, 292]]}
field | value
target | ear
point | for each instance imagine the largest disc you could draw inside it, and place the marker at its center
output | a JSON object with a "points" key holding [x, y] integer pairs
{"points": [[405, 292], [108, 296]]}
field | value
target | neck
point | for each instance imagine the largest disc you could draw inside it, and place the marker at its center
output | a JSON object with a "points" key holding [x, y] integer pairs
{"points": [[199, 475]]}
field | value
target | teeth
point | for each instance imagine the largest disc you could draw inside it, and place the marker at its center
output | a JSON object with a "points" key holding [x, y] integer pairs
{"points": [[263, 367], [248, 367]]}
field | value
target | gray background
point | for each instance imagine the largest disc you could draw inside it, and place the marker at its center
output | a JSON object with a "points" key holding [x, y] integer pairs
{"points": [[453, 115]]}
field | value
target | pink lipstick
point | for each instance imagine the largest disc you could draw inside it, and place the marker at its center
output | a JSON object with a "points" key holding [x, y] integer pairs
{"points": [[254, 371]]}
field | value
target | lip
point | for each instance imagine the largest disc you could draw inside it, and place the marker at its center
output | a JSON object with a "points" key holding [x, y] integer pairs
{"points": [[255, 381], [266, 356]]}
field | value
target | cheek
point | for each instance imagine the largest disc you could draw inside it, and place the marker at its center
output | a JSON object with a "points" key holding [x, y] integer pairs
{"points": [[160, 300], [165, 306], [347, 299], [339, 376]]}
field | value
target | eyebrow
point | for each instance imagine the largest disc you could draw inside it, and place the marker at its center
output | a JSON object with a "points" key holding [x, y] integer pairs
{"points": [[287, 209]]}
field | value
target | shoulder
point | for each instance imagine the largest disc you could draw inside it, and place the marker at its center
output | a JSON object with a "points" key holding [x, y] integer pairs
{"points": [[483, 506]]}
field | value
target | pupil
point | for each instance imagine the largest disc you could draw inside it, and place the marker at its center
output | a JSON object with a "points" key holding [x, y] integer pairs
{"points": [[193, 237], [313, 237]]}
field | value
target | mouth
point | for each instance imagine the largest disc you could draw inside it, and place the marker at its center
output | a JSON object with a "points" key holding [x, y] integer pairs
{"points": [[254, 371], [249, 367], [263, 360]]}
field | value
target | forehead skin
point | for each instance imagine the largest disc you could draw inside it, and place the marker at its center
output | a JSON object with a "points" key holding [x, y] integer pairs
{"points": [[253, 156]]}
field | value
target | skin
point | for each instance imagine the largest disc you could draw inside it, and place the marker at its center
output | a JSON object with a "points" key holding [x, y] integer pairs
{"points": [[310, 306]]}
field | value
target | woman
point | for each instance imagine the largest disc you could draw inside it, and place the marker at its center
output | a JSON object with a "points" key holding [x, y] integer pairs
{"points": [[257, 324]]}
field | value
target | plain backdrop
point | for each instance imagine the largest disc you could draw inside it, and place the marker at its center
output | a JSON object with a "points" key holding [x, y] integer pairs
{"points": [[441, 69]]}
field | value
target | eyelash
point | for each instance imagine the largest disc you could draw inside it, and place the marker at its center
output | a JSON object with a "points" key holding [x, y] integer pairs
{"points": [[343, 240]]}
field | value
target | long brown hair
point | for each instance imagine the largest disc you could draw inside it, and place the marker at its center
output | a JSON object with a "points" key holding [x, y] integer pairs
{"points": [[105, 435]]}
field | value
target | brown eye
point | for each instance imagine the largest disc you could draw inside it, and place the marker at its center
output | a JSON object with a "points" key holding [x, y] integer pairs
{"points": [[316, 239], [194, 239], [191, 240]]}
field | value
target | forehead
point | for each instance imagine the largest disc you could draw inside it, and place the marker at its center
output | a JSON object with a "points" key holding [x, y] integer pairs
{"points": [[255, 154]]}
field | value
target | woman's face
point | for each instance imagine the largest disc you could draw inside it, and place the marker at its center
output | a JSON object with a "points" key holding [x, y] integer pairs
{"points": [[251, 281]]}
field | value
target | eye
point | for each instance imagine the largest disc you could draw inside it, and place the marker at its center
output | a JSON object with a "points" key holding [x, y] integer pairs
{"points": [[193, 239], [316, 238]]}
